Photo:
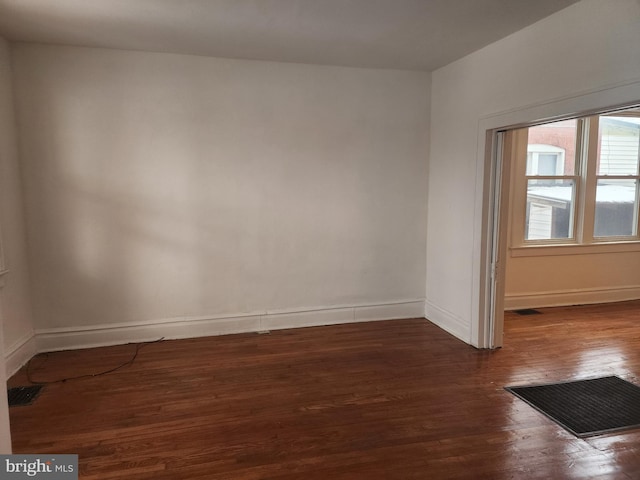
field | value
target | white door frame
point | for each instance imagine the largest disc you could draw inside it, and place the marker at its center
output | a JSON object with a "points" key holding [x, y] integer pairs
{"points": [[490, 246], [5, 431]]}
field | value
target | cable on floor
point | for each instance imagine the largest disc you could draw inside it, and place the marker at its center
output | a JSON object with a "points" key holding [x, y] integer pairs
{"points": [[138, 346]]}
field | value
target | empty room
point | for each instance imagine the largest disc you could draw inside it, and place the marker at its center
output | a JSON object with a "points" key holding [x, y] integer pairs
{"points": [[284, 239]]}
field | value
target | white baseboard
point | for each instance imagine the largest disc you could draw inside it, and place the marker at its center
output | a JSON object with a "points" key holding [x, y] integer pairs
{"points": [[55, 339], [371, 313], [20, 353], [338, 315], [571, 297], [448, 321], [50, 340]]}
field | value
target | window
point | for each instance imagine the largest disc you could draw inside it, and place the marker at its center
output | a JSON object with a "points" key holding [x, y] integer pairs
{"points": [[544, 160], [577, 181], [617, 175]]}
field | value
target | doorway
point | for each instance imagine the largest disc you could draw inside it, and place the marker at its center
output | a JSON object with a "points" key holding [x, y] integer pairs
{"points": [[552, 209]]}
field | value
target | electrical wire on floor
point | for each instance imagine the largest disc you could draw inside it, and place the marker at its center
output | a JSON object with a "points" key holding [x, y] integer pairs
{"points": [[139, 346]]}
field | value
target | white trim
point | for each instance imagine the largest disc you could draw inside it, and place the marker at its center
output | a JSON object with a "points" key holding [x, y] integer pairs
{"points": [[279, 321], [51, 340], [333, 316], [20, 353], [447, 321], [571, 297], [574, 249], [389, 312], [70, 338], [5, 431]]}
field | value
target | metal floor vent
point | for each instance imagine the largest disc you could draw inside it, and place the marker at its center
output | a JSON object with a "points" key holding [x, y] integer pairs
{"points": [[527, 311], [23, 395], [586, 407]]}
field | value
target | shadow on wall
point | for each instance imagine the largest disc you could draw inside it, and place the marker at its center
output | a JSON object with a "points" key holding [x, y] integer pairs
{"points": [[168, 198]]}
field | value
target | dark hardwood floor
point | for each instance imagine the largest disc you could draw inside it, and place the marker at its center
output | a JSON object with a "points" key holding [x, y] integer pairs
{"points": [[383, 400]]}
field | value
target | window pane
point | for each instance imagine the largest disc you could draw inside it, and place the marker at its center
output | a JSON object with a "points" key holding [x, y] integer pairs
{"points": [[551, 148], [616, 208], [550, 207], [548, 163], [618, 145]]}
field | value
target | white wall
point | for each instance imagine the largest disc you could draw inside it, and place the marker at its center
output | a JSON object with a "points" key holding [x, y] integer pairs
{"points": [[582, 58], [14, 286], [164, 188]]}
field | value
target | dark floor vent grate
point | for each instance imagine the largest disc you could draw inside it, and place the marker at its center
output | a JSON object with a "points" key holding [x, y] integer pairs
{"points": [[586, 407], [527, 311], [23, 395]]}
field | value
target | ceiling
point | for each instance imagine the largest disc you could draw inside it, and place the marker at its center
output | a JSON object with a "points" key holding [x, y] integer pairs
{"points": [[403, 34]]}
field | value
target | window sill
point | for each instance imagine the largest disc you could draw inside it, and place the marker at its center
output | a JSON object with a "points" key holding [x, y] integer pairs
{"points": [[574, 249]]}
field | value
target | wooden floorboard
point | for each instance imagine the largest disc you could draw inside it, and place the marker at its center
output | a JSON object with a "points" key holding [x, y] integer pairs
{"points": [[382, 400]]}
